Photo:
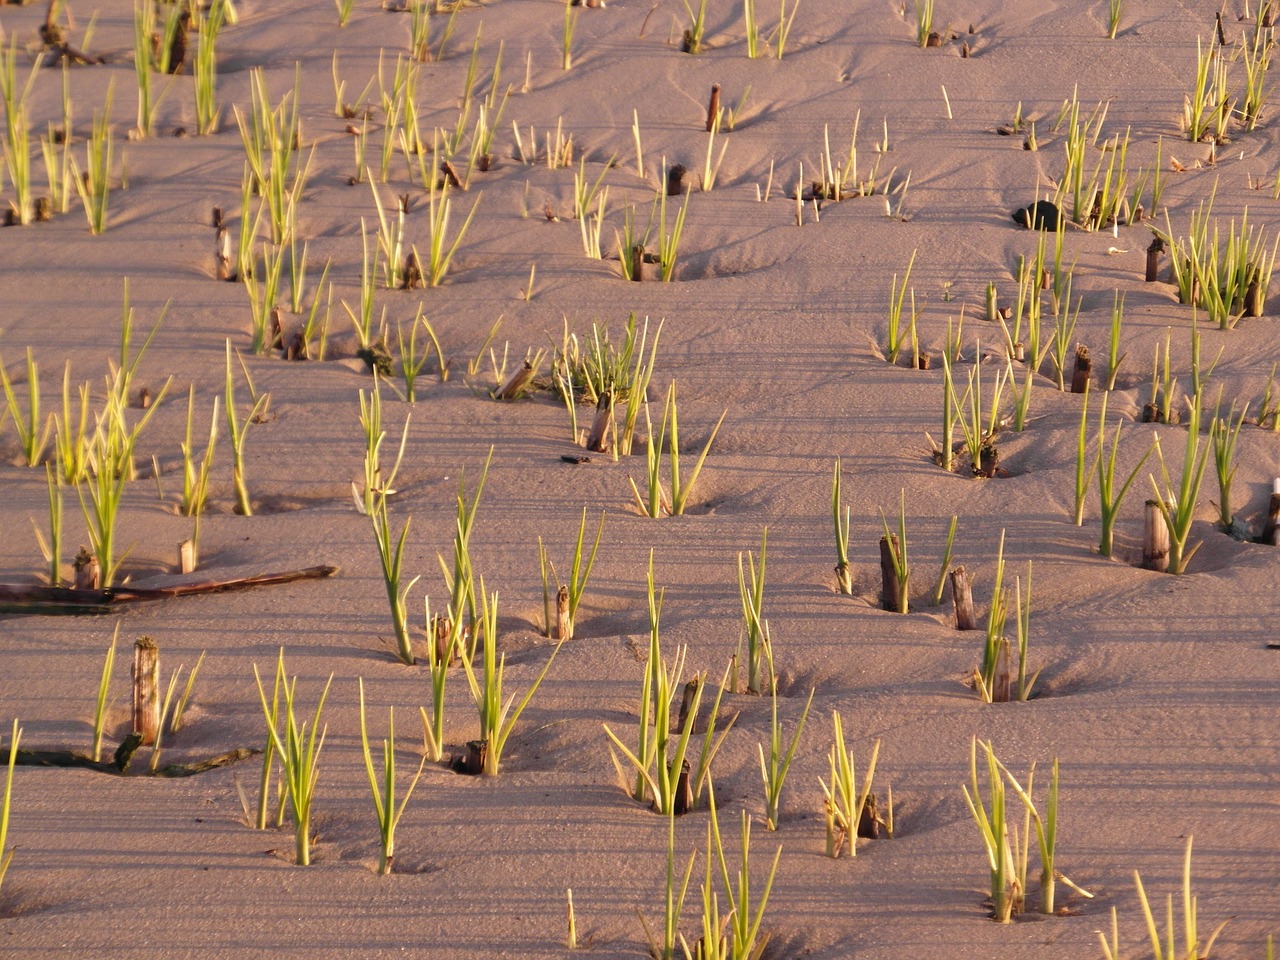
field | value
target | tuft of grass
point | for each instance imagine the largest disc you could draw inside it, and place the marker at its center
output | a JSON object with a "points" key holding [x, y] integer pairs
{"points": [[844, 804], [568, 595], [944, 565], [238, 431], [745, 940], [1166, 947], [1178, 506], [656, 502], [497, 720], [756, 628], [6, 854], [1109, 496], [898, 334], [1223, 434], [299, 752], [1115, 8], [209, 24], [895, 545], [33, 436], [991, 817], [924, 21], [775, 764], [383, 789], [844, 572], [390, 548], [695, 33], [664, 947]]}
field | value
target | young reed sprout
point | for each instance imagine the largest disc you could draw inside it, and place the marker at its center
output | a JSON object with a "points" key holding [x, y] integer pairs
{"points": [[1114, 356], [383, 788], [945, 565], [566, 35], [1178, 506], [1223, 434], [664, 947], [1109, 496], [844, 571], [177, 719], [440, 251], [656, 502], [1046, 826], [991, 816], [6, 853], [461, 579], [497, 719], [1207, 107], [101, 703], [208, 25], [299, 752], [755, 627], [1115, 8], [1166, 947], [195, 477], [568, 595], [775, 764], [924, 21], [51, 549], [844, 804], [695, 33], [33, 436], [238, 432], [378, 487], [669, 237], [1085, 469], [898, 334], [893, 559], [94, 182], [662, 771], [745, 941]]}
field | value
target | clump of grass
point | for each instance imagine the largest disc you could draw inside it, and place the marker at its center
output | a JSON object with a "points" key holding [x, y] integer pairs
{"points": [[1228, 277], [1207, 108], [745, 940], [664, 947], [1005, 854], [755, 627], [924, 21], [844, 804], [299, 752], [662, 772], [497, 720], [1223, 434], [1178, 506], [898, 334], [893, 550], [1109, 496], [995, 679], [93, 183], [390, 548], [776, 763], [383, 789], [655, 502], [568, 595], [33, 436]]}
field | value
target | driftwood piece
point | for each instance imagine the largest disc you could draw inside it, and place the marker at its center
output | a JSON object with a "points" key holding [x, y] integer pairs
{"points": [[1155, 538], [33, 598], [146, 690], [962, 600], [516, 383], [120, 764]]}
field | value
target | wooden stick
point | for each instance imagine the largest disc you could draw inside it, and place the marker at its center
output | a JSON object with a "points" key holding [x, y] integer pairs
{"points": [[1155, 538], [30, 598], [187, 556], [1271, 529], [564, 625], [69, 758], [1080, 377], [515, 383], [889, 586], [962, 600], [713, 108], [602, 426], [146, 690], [637, 262], [1153, 259]]}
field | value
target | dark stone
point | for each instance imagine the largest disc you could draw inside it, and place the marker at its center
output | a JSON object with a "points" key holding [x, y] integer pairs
{"points": [[1041, 215]]}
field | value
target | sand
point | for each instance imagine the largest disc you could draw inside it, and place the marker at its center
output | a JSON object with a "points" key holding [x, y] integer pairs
{"points": [[1157, 693]]}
